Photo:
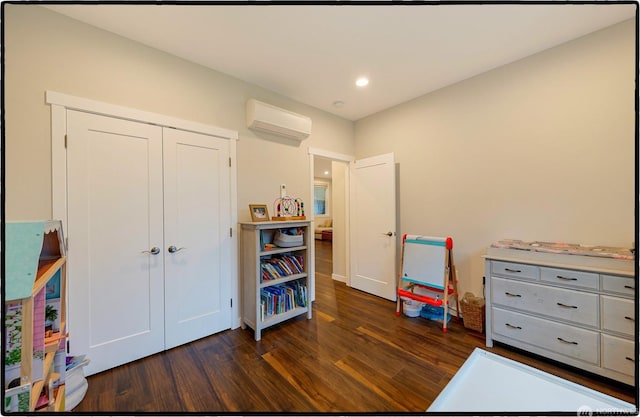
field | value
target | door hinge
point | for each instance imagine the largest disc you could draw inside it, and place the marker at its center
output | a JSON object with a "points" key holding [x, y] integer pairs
{"points": [[65, 141], [230, 232], [231, 303], [229, 162]]}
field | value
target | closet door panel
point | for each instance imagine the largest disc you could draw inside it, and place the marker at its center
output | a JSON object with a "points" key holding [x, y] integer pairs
{"points": [[197, 242], [116, 288]]}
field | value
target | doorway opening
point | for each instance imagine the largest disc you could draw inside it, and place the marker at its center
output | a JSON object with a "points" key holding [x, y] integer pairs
{"points": [[364, 227], [323, 213], [330, 198]]}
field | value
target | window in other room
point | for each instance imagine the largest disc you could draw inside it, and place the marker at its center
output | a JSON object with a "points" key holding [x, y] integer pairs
{"points": [[321, 199]]}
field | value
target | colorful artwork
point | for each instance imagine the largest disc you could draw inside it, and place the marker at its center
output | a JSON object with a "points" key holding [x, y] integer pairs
{"points": [[53, 287], [13, 333]]}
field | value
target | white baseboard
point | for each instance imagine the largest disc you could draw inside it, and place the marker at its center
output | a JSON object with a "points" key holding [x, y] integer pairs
{"points": [[340, 278]]}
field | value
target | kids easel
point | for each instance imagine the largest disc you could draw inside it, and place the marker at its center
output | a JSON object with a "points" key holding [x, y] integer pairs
{"points": [[427, 264]]}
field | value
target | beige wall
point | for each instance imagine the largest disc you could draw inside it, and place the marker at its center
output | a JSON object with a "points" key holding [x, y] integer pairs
{"points": [[48, 51], [541, 149]]}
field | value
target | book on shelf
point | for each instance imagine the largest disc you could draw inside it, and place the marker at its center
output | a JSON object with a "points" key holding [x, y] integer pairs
{"points": [[281, 266], [281, 298]]}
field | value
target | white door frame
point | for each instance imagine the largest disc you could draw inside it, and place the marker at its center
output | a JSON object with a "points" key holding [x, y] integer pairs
{"points": [[60, 103], [336, 157]]}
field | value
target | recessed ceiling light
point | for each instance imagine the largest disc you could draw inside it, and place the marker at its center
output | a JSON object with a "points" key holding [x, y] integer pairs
{"points": [[362, 81], [338, 103], [326, 173]]}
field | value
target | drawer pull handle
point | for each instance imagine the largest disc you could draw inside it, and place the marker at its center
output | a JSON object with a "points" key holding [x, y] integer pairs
{"points": [[566, 306], [512, 295], [629, 359], [630, 287], [566, 278], [629, 318], [567, 342], [512, 326], [512, 270]]}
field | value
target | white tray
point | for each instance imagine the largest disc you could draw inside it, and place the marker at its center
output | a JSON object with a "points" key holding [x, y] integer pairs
{"points": [[490, 383]]}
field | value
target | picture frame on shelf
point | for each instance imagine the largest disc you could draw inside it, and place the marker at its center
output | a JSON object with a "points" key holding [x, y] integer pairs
{"points": [[259, 212]]}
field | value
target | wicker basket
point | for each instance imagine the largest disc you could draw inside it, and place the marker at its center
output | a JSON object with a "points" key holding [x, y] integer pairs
{"points": [[473, 314]]}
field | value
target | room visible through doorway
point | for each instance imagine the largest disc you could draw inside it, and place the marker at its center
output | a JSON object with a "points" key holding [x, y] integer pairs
{"points": [[330, 179]]}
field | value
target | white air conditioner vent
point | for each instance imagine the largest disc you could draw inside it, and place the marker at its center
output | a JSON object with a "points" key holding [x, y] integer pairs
{"points": [[276, 121]]}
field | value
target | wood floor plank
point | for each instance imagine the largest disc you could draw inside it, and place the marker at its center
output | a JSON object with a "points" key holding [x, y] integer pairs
{"points": [[313, 355], [425, 383], [248, 388], [354, 356], [324, 316], [193, 397], [396, 398], [156, 378], [309, 385]]}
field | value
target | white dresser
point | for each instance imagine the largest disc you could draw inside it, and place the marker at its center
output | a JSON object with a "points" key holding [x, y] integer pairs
{"points": [[578, 310]]}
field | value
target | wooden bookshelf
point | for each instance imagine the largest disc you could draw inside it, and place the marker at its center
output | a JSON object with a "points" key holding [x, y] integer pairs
{"points": [[267, 302]]}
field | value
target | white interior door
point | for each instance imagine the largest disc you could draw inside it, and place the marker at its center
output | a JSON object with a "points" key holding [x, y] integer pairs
{"points": [[372, 221], [197, 241], [115, 223]]}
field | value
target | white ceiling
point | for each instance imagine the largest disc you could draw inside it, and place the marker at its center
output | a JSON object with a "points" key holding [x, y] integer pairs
{"points": [[320, 166], [314, 53]]}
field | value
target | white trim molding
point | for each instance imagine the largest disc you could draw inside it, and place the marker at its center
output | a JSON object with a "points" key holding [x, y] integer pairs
{"points": [[112, 110], [330, 155]]}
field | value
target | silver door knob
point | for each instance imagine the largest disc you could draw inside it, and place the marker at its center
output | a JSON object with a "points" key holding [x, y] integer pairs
{"points": [[173, 249], [153, 251]]}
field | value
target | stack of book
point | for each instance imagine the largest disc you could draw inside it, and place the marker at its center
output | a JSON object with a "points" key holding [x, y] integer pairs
{"points": [[278, 299], [281, 266]]}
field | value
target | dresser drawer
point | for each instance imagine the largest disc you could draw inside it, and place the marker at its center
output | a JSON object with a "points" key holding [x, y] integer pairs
{"points": [[561, 338], [570, 278], [618, 314], [515, 270], [558, 303], [618, 354], [618, 285]]}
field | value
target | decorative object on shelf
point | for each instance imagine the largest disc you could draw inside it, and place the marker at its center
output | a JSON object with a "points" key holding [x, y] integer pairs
{"points": [[259, 212], [291, 237], [288, 208]]}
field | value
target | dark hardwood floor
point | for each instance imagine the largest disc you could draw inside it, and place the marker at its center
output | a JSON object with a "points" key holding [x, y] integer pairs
{"points": [[354, 356]]}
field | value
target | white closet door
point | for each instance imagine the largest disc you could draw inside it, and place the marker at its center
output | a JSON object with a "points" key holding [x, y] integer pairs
{"points": [[115, 218], [197, 241]]}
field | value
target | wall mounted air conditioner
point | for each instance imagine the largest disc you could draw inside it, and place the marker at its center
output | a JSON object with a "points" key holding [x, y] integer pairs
{"points": [[276, 121]]}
